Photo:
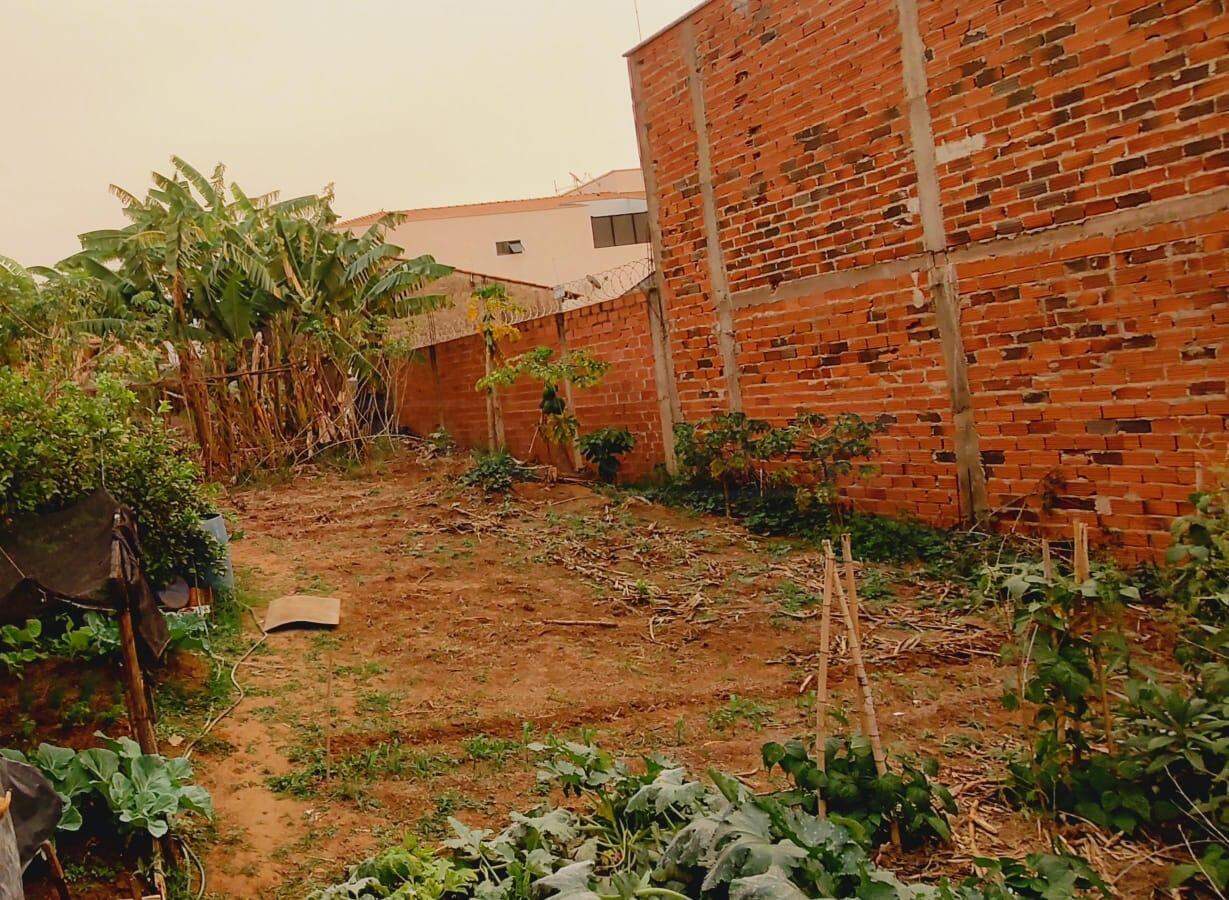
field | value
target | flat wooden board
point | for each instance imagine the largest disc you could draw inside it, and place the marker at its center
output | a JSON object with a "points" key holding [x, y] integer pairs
{"points": [[302, 609]]}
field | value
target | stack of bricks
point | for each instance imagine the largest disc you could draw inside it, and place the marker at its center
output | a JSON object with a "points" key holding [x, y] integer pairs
{"points": [[1001, 225]]}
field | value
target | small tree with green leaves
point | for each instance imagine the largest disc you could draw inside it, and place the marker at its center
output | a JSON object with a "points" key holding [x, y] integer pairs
{"points": [[602, 449], [578, 368], [493, 313]]}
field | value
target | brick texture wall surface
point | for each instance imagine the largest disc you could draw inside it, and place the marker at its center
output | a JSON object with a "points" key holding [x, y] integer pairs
{"points": [[617, 331], [1056, 171]]}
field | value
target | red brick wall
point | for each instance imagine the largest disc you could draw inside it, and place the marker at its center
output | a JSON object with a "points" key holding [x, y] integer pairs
{"points": [[1080, 154], [615, 331]]}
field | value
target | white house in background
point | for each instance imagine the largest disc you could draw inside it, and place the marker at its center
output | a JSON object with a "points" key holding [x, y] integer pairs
{"points": [[592, 228]]}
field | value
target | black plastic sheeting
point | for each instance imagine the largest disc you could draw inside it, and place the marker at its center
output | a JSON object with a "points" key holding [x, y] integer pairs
{"points": [[57, 560], [36, 806]]}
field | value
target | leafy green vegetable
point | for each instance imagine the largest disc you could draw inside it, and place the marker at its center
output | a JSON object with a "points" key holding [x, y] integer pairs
{"points": [[653, 831], [141, 792], [95, 637]]}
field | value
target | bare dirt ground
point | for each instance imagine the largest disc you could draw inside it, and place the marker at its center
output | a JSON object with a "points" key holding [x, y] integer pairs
{"points": [[470, 621]]}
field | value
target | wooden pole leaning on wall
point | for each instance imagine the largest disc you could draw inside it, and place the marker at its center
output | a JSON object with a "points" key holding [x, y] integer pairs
{"points": [[821, 677], [868, 697]]}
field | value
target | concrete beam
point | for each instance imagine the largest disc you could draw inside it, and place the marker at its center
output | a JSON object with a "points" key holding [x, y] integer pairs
{"points": [[1175, 209], [941, 275], [657, 308], [718, 281]]}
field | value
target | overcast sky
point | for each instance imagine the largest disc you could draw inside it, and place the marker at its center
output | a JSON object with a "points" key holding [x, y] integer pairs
{"points": [[399, 103]]}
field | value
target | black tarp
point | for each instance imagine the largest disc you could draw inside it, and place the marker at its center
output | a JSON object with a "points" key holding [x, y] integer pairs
{"points": [[67, 558], [36, 806]]}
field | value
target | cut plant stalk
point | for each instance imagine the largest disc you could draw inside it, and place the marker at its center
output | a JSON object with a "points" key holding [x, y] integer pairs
{"points": [[868, 699], [1083, 571], [821, 678]]}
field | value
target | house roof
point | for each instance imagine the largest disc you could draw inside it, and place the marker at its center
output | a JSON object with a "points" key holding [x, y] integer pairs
{"points": [[500, 207]]}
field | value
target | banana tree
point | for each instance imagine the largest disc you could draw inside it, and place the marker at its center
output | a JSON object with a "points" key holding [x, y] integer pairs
{"points": [[244, 278]]}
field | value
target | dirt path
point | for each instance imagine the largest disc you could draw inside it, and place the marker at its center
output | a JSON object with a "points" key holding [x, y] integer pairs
{"points": [[470, 622]]}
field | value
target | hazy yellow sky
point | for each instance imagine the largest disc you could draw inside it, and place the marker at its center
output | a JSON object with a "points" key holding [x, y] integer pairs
{"points": [[400, 103]]}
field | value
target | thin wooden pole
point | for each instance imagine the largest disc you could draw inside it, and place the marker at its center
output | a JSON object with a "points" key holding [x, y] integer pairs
{"points": [[1047, 560], [821, 678], [1080, 552], [851, 585], [855, 606], [868, 698], [57, 871], [138, 708]]}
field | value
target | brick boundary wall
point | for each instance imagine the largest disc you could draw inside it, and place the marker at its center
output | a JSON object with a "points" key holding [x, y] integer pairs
{"points": [[438, 388], [1002, 224]]}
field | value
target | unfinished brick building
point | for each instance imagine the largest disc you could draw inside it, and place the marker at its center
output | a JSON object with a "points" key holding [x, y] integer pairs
{"points": [[1004, 225]]}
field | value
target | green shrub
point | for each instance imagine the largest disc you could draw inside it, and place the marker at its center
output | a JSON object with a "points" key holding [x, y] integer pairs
{"points": [[804, 458], [60, 442], [778, 480], [494, 472], [603, 447], [859, 797], [440, 442], [1198, 572], [1168, 769]]}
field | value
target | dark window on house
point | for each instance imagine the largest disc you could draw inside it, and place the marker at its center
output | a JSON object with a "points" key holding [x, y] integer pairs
{"points": [[621, 230], [509, 248]]}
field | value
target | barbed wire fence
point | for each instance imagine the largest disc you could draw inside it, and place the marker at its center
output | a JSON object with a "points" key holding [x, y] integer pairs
{"points": [[604, 285], [533, 302]]}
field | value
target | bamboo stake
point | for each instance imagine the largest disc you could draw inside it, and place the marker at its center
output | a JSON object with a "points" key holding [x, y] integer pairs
{"points": [[851, 585], [138, 709], [57, 871], [1047, 560], [855, 606], [821, 679], [1080, 553], [10, 861], [868, 699]]}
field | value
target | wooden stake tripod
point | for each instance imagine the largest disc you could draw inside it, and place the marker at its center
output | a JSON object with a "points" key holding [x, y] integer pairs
{"points": [[834, 588]]}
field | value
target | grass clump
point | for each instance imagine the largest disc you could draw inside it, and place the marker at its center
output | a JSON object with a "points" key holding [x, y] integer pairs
{"points": [[740, 710], [347, 776], [495, 472]]}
